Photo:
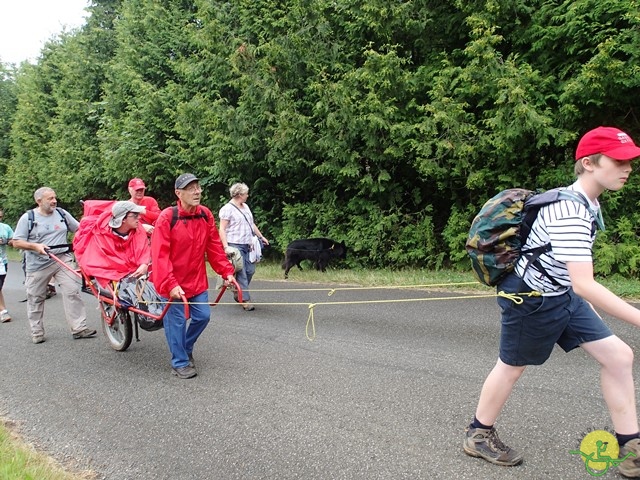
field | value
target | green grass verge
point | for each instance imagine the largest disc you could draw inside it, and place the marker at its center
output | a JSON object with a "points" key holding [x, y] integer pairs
{"points": [[20, 461], [448, 280]]}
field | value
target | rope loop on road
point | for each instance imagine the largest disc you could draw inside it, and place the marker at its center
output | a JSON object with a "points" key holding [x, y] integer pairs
{"points": [[310, 324]]}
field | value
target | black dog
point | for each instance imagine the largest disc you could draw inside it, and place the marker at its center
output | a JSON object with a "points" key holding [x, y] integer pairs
{"points": [[318, 250]]}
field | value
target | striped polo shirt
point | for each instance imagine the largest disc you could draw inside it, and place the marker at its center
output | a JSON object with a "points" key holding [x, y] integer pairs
{"points": [[570, 229]]}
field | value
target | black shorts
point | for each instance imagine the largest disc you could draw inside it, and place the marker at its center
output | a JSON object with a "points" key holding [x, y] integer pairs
{"points": [[2, 277]]}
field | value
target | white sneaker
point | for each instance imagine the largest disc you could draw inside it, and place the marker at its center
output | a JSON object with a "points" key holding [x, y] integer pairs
{"points": [[4, 316]]}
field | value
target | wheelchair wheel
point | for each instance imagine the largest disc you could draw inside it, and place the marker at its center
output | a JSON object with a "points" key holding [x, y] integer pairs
{"points": [[120, 333]]}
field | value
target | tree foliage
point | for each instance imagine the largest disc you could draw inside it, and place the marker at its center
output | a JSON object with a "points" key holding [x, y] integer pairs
{"points": [[383, 124], [8, 104]]}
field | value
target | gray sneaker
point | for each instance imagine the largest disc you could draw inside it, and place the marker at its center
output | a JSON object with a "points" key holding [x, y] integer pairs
{"points": [[86, 333], [484, 443], [185, 372], [630, 467], [37, 339]]}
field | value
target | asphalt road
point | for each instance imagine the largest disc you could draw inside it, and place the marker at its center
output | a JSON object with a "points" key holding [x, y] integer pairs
{"points": [[383, 392]]}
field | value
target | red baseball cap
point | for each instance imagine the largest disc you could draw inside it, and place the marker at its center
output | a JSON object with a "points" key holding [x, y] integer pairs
{"points": [[608, 141], [136, 184]]}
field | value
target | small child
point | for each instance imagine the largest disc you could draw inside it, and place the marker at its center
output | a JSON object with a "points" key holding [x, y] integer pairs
{"points": [[563, 313]]}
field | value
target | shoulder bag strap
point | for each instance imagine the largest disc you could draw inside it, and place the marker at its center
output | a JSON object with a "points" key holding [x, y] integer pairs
{"points": [[245, 217]]}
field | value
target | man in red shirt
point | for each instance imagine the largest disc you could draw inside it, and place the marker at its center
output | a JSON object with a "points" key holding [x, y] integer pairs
{"points": [[137, 189], [182, 236]]}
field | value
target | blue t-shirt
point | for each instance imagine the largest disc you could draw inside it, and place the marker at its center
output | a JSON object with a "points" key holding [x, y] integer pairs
{"points": [[6, 234]]}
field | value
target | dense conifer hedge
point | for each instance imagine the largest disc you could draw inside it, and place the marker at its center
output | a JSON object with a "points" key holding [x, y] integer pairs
{"points": [[385, 124]]}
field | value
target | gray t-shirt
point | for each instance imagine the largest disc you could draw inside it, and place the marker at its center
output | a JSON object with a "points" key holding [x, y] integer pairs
{"points": [[47, 229]]}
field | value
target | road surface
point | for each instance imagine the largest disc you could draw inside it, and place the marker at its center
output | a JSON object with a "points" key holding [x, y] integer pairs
{"points": [[384, 391]]}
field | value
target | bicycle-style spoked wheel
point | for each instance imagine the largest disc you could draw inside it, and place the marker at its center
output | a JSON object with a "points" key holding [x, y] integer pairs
{"points": [[120, 333]]}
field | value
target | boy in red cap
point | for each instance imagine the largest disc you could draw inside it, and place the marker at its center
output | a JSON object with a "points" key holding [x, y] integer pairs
{"points": [[148, 218], [562, 314]]}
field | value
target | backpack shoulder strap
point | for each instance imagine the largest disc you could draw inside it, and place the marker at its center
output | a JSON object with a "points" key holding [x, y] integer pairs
{"points": [[30, 222], [63, 214], [175, 217], [535, 202], [578, 197], [31, 216]]}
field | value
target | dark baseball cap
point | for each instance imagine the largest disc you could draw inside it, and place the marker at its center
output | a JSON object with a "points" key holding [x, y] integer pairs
{"points": [[185, 179]]}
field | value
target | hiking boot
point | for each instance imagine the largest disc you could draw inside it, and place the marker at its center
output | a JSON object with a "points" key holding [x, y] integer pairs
{"points": [[37, 339], [86, 333], [630, 467], [4, 316], [51, 291], [484, 443], [192, 362], [184, 372]]}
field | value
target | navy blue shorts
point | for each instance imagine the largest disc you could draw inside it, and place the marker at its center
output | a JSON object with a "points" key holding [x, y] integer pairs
{"points": [[531, 329]]}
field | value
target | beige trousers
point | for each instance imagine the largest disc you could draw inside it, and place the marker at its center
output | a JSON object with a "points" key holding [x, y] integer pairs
{"points": [[36, 285]]}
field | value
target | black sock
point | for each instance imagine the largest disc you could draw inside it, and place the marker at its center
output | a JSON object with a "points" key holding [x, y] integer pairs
{"points": [[477, 424], [622, 439]]}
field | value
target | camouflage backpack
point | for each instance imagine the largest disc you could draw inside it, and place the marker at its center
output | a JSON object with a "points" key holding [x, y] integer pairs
{"points": [[502, 226]]}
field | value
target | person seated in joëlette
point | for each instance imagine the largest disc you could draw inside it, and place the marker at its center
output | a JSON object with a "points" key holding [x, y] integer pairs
{"points": [[114, 244]]}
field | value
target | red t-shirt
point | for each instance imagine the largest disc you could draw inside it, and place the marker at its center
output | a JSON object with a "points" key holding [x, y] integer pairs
{"points": [[153, 211]]}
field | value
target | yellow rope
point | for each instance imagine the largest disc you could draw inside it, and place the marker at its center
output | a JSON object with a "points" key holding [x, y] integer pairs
{"points": [[310, 328], [310, 321], [386, 287], [356, 302], [517, 297]]}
